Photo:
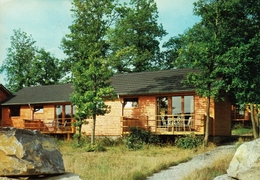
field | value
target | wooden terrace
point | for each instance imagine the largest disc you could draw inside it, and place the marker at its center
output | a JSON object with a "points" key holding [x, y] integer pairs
{"points": [[178, 124], [51, 126]]}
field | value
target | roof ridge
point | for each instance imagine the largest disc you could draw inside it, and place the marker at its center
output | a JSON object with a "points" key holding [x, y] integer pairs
{"points": [[163, 70]]}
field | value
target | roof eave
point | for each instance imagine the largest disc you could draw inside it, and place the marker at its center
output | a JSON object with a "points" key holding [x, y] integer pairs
{"points": [[154, 93], [31, 103]]}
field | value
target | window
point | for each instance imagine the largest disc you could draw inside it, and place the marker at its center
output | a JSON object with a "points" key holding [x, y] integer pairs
{"points": [[131, 102], [68, 112], [182, 104], [15, 111], [59, 111], [176, 105], [188, 104], [64, 112], [38, 109]]}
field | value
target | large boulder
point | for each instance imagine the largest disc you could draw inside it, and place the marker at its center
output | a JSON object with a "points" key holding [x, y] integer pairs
{"points": [[245, 164], [66, 176], [246, 161], [28, 153]]}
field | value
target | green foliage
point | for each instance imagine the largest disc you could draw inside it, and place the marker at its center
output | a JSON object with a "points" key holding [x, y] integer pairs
{"points": [[189, 141], [87, 52], [79, 141], [27, 66], [224, 47], [98, 147], [109, 142], [241, 129], [134, 40], [138, 137], [46, 69]]}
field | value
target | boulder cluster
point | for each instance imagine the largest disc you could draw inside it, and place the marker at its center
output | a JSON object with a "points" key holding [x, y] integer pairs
{"points": [[245, 164]]}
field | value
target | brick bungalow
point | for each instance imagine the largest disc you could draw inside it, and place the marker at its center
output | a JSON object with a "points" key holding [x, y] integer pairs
{"points": [[155, 100]]}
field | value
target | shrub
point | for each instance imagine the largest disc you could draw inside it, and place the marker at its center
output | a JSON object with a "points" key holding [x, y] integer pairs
{"points": [[138, 137], [110, 142], [79, 143], [189, 141], [96, 148]]}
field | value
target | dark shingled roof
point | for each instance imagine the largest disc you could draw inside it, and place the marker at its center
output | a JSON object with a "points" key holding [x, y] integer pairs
{"points": [[41, 94], [154, 82], [141, 83]]}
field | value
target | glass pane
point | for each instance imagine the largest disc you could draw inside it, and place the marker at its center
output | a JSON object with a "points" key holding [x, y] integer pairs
{"points": [[59, 111], [176, 105], [188, 104], [162, 105], [67, 111]]}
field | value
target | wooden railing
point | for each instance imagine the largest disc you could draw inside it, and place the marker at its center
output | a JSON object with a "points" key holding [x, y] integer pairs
{"points": [[167, 124], [50, 125]]}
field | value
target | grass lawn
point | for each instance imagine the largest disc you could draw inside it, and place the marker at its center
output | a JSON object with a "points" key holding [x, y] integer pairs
{"points": [[241, 129], [118, 162]]}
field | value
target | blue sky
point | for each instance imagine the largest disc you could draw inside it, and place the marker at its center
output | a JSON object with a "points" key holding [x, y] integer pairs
{"points": [[48, 20]]}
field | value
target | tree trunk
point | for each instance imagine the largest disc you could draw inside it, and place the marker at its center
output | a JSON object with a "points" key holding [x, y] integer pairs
{"points": [[79, 129], [93, 131], [206, 138], [254, 127]]}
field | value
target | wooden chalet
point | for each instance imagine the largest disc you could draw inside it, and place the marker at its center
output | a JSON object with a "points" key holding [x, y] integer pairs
{"points": [[44, 108], [156, 101]]}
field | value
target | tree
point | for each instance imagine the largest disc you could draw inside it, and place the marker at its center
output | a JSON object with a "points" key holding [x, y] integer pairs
{"points": [[46, 69], [242, 38], [18, 63], [87, 50], [173, 45], [245, 85], [26, 66], [223, 48], [201, 52], [135, 38]]}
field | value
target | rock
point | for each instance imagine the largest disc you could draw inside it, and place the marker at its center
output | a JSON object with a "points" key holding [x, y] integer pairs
{"points": [[66, 176], [246, 161], [25, 153]]}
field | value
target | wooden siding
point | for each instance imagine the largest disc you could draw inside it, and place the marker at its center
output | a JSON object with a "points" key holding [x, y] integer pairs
{"points": [[222, 122], [116, 122], [43, 121], [107, 125]]}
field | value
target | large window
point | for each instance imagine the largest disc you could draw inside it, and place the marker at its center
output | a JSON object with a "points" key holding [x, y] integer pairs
{"points": [[65, 111], [182, 104], [68, 112], [176, 105], [188, 104]]}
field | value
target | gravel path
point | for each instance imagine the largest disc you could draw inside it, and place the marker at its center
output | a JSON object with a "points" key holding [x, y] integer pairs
{"points": [[198, 162]]}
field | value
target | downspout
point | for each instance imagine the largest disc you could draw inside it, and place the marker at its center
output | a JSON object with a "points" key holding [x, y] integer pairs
{"points": [[118, 96], [121, 116]]}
